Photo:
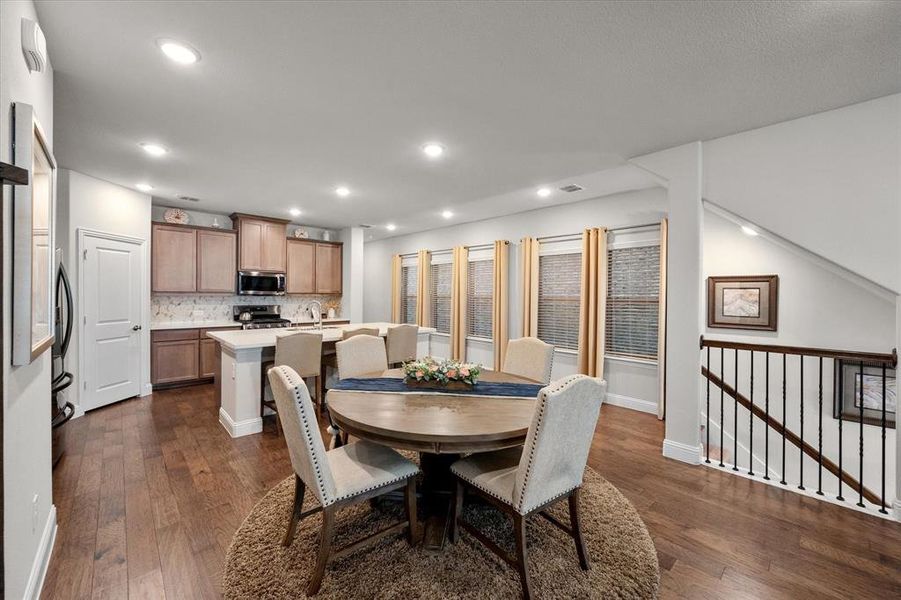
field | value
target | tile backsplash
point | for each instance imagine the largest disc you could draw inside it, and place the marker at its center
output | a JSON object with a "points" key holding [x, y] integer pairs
{"points": [[187, 308]]}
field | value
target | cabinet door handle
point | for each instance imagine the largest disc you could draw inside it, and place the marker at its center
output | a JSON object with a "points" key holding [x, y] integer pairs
{"points": [[136, 328]]}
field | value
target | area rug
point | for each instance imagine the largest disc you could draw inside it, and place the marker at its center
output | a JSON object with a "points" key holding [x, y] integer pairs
{"points": [[623, 559]]}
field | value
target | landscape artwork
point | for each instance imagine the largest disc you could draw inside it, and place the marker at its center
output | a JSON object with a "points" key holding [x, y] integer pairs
{"points": [[851, 385], [872, 393], [743, 301]]}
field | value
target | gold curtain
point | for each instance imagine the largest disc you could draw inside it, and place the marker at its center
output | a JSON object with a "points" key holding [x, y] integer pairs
{"points": [[423, 313], [529, 287], [499, 298], [593, 302], [396, 262], [458, 303], [661, 323]]}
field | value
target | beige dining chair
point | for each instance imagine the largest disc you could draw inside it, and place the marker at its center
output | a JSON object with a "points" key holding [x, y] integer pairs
{"points": [[360, 355], [303, 353], [337, 478], [524, 481], [401, 344], [331, 359], [531, 358]]}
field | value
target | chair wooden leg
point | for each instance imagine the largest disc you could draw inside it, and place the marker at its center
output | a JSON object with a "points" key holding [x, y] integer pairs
{"points": [[299, 489], [457, 510], [412, 517], [576, 526], [325, 549], [522, 555]]}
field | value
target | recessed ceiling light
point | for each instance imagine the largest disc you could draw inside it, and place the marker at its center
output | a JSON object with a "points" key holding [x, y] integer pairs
{"points": [[390, 226], [295, 212], [179, 52], [433, 149], [543, 192], [748, 231], [144, 187], [153, 149], [447, 214], [342, 191]]}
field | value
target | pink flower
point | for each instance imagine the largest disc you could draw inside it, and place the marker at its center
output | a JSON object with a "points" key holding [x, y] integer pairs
{"points": [[451, 373], [419, 374], [464, 372]]}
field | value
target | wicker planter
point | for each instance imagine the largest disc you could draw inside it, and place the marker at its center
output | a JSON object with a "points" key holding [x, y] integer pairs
{"points": [[437, 385]]}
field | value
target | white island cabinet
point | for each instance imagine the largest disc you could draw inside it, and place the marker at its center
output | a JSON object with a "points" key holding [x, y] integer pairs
{"points": [[239, 380]]}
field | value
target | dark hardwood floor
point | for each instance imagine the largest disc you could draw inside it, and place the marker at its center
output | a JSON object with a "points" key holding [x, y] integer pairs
{"points": [[151, 490]]}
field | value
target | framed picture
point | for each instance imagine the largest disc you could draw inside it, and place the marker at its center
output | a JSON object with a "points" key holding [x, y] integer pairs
{"points": [[33, 239], [854, 387], [743, 302]]}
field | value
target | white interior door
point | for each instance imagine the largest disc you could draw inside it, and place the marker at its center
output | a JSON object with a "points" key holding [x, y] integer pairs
{"points": [[111, 317]]}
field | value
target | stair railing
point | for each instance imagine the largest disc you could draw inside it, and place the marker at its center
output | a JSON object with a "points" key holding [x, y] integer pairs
{"points": [[860, 361]]}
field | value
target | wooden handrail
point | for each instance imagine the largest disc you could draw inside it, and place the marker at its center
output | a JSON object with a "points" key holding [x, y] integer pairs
{"points": [[790, 436], [889, 359]]}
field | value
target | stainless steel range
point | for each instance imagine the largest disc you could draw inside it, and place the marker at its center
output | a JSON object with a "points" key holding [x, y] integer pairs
{"points": [[260, 316]]}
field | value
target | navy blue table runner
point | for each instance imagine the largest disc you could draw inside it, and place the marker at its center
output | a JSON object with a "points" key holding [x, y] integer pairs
{"points": [[482, 388]]}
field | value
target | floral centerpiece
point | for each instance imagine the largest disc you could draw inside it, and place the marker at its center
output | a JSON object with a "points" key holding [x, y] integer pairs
{"points": [[431, 372]]}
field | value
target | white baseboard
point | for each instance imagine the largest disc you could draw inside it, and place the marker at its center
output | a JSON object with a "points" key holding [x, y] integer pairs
{"points": [[896, 509], [239, 428], [79, 411], [729, 442], [42, 558], [148, 389], [682, 452], [645, 406]]}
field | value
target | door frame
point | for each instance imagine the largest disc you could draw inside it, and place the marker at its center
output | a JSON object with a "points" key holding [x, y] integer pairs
{"points": [[80, 256]]}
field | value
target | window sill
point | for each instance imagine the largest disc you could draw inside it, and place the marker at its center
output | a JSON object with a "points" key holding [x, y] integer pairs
{"points": [[648, 362], [567, 351], [472, 338], [447, 335]]}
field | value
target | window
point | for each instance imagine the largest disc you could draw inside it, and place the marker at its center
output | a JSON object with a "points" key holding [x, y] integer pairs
{"points": [[440, 292], [633, 289], [559, 284], [479, 296], [408, 283]]}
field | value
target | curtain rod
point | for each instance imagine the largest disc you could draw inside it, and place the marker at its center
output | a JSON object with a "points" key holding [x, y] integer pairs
{"points": [[575, 236]]}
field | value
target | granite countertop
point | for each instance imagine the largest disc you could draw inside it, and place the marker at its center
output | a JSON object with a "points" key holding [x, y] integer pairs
{"points": [[265, 338], [159, 325]]}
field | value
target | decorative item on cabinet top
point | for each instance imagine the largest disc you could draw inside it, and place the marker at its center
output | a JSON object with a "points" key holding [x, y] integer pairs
{"points": [[176, 216]]}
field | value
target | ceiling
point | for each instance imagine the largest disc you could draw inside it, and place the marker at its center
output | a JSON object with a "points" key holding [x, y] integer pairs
{"points": [[291, 100]]}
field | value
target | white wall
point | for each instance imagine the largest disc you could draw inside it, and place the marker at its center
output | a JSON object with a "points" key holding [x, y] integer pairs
{"points": [[627, 380], [820, 305], [26, 395], [93, 204], [829, 182]]}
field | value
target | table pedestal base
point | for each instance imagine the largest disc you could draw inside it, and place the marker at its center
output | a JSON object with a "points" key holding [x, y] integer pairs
{"points": [[437, 495]]}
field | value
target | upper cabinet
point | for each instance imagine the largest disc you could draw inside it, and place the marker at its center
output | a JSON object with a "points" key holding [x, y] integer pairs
{"points": [[314, 267], [262, 243], [192, 259]]}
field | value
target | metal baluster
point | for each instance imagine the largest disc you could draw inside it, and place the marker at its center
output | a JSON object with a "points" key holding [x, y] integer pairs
{"points": [[766, 428], [860, 451], [783, 418], [722, 403], [820, 435], [708, 407], [735, 418], [751, 422], [801, 446], [882, 510], [841, 410]]}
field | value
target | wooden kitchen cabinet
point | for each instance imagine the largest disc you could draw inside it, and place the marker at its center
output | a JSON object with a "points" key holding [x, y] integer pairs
{"points": [[174, 259], [262, 243], [328, 268], [216, 255], [208, 356], [183, 356]]}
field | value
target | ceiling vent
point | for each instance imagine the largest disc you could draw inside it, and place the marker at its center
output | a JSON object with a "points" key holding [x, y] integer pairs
{"points": [[34, 46], [188, 199], [363, 226], [573, 187]]}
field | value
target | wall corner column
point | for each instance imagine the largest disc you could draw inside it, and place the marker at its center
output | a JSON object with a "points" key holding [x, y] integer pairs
{"points": [[352, 274]]}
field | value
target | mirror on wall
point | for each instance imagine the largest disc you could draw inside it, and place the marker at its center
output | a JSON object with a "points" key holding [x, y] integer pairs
{"points": [[33, 237]]}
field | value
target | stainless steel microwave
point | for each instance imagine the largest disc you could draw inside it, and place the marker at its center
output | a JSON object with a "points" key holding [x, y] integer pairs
{"points": [[258, 283]]}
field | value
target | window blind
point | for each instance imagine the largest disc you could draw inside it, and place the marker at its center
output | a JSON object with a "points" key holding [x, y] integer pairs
{"points": [[409, 280], [479, 305], [440, 292], [559, 284], [633, 289]]}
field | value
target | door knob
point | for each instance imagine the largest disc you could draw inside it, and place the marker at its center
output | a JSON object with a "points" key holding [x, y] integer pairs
{"points": [[136, 328]]}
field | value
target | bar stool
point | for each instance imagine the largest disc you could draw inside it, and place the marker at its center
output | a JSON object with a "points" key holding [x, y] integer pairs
{"points": [[401, 344], [303, 353]]}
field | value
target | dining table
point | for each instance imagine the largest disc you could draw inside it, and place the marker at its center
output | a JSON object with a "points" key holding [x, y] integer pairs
{"points": [[441, 425]]}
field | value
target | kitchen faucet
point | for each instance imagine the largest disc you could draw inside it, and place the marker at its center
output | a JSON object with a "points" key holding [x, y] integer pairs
{"points": [[318, 313]]}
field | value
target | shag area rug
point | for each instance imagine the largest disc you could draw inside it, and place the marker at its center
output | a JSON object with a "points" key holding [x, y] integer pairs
{"points": [[623, 559]]}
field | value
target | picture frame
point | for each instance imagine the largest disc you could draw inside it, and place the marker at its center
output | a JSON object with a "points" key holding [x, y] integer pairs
{"points": [[33, 260], [743, 302], [847, 394]]}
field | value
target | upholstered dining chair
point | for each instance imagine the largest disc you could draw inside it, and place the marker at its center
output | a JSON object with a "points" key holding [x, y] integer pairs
{"points": [[361, 354], [337, 478], [401, 344], [531, 358], [303, 353], [524, 481], [331, 359]]}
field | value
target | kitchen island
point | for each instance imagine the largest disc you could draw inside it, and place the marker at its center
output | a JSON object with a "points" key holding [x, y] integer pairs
{"points": [[239, 377]]}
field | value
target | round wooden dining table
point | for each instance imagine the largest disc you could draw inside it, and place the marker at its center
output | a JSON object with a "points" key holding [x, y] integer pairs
{"points": [[440, 426]]}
